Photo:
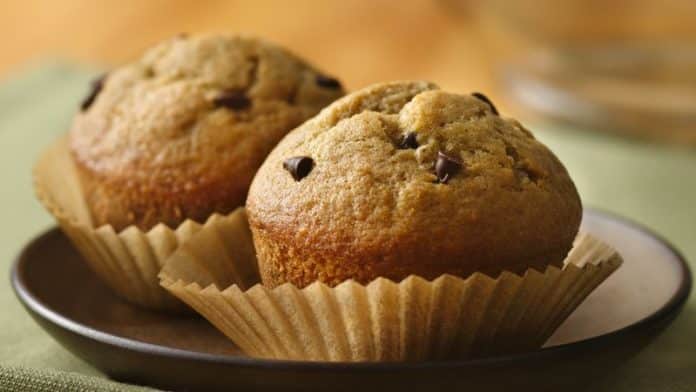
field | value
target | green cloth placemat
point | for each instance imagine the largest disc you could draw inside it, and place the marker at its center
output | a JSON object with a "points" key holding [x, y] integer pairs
{"points": [[17, 379], [652, 185], [35, 108]]}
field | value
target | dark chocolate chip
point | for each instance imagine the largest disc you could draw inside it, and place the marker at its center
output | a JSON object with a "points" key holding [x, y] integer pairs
{"points": [[232, 99], [95, 88], [409, 141], [299, 167], [446, 167], [486, 100], [328, 82], [512, 153]]}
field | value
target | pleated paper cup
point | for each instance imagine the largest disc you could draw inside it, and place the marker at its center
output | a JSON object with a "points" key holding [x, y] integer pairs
{"points": [[411, 320], [130, 260]]}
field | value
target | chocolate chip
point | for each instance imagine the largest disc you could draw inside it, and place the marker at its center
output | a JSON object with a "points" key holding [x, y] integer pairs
{"points": [[409, 141], [486, 100], [446, 167], [328, 82], [96, 87], [232, 99], [299, 167], [182, 36], [512, 153]]}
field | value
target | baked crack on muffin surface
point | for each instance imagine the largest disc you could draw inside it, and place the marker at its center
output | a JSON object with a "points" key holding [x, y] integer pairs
{"points": [[409, 179], [180, 132]]}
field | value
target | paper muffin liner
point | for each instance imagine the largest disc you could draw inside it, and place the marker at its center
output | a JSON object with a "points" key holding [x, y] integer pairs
{"points": [[414, 319], [127, 261]]}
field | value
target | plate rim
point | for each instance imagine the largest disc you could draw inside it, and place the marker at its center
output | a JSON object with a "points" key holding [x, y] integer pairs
{"points": [[39, 308]]}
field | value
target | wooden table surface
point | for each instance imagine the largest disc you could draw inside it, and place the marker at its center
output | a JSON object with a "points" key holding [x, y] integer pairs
{"points": [[360, 41]]}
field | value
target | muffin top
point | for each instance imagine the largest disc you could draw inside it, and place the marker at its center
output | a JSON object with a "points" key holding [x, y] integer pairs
{"points": [[195, 113], [404, 178]]}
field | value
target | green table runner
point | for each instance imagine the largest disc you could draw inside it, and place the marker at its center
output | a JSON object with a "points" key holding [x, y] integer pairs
{"points": [[654, 185]]}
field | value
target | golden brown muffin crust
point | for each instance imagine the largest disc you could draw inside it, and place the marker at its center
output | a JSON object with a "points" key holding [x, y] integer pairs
{"points": [[180, 132], [373, 206]]}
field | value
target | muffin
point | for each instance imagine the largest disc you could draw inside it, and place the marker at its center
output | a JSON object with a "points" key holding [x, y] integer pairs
{"points": [[402, 223], [164, 148], [405, 179], [179, 133]]}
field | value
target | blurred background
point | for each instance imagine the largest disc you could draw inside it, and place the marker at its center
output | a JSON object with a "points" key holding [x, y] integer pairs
{"points": [[608, 85], [618, 65]]}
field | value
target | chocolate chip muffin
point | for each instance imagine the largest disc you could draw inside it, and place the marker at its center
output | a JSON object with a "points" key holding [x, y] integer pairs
{"points": [[180, 132], [404, 178]]}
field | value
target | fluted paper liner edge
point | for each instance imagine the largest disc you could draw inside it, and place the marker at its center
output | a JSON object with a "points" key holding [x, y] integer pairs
{"points": [[414, 319], [130, 260]]}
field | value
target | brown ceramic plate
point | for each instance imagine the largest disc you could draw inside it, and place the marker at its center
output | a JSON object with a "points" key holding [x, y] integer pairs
{"points": [[134, 345]]}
